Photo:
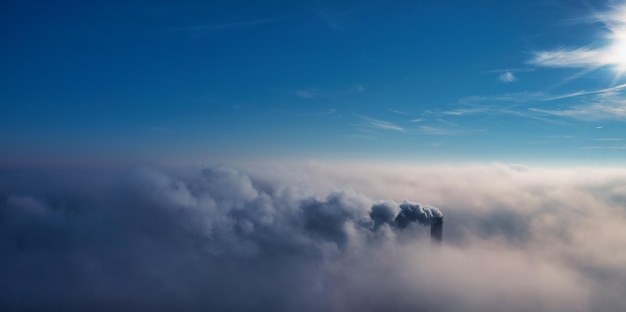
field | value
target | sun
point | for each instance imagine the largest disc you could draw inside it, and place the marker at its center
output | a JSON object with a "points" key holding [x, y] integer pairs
{"points": [[616, 52], [620, 55]]}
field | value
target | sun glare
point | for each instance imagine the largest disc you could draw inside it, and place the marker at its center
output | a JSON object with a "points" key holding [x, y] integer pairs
{"points": [[618, 51], [620, 55]]}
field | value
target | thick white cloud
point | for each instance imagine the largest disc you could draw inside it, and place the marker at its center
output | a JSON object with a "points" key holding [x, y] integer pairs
{"points": [[314, 236]]}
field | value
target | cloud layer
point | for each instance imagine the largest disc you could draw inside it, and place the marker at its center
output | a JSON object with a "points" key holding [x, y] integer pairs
{"points": [[310, 237]]}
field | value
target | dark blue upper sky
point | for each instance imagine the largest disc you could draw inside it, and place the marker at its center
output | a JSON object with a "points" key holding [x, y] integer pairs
{"points": [[119, 81]]}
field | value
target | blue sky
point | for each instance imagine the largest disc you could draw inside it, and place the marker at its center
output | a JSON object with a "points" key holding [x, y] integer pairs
{"points": [[187, 81]]}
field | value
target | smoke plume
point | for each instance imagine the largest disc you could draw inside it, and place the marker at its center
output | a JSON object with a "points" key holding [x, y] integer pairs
{"points": [[412, 212]]}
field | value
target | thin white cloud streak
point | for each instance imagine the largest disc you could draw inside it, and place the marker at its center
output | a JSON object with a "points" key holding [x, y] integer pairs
{"points": [[382, 124], [433, 130], [608, 139], [581, 57], [513, 104], [466, 111], [594, 105], [606, 108], [396, 111], [581, 93], [514, 98], [572, 77]]}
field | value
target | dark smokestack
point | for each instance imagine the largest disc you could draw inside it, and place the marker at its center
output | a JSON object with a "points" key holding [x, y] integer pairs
{"points": [[436, 230]]}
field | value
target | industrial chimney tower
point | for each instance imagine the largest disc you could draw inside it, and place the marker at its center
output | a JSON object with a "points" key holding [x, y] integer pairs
{"points": [[436, 230]]}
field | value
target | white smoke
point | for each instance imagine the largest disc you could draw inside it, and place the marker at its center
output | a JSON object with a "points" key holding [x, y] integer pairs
{"points": [[413, 212], [385, 213]]}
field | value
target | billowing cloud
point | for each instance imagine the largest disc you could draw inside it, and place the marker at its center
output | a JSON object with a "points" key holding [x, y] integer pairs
{"points": [[413, 212], [314, 237]]}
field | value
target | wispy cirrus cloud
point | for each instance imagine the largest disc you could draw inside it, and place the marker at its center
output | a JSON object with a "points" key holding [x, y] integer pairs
{"points": [[579, 57], [501, 104], [382, 124], [467, 110], [582, 93], [610, 51], [434, 130], [592, 105], [395, 111], [608, 109], [517, 98], [595, 105]]}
